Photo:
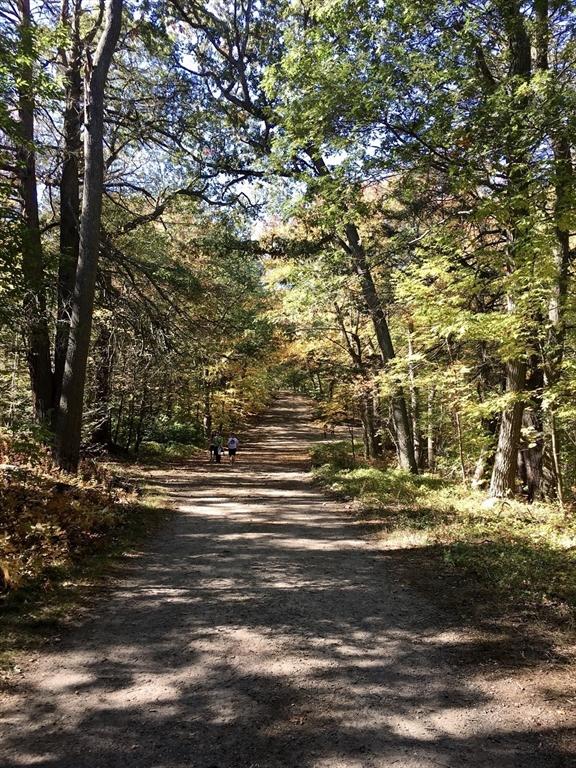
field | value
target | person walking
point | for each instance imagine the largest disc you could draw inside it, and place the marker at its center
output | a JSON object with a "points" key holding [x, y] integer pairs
{"points": [[218, 447], [233, 444], [213, 448]]}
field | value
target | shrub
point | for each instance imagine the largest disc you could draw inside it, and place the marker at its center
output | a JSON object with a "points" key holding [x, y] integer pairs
{"points": [[335, 454]]}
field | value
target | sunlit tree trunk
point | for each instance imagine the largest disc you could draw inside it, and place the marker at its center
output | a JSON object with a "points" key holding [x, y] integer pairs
{"points": [[104, 353], [503, 481]]}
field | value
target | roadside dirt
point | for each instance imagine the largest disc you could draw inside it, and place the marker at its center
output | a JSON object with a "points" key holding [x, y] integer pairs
{"points": [[262, 628]]}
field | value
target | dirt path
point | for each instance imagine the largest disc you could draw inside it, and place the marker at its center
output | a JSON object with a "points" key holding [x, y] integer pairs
{"points": [[261, 628]]}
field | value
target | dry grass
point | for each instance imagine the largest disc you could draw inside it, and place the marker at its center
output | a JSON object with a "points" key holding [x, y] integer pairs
{"points": [[58, 534]]}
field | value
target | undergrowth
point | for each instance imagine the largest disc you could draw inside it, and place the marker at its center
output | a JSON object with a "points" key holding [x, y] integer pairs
{"points": [[522, 552], [57, 533], [159, 453]]}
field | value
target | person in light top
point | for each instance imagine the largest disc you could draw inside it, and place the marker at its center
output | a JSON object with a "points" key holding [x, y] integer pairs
{"points": [[233, 443]]}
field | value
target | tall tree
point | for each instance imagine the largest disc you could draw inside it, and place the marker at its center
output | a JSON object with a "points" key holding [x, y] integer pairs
{"points": [[33, 270], [70, 58], [69, 429]]}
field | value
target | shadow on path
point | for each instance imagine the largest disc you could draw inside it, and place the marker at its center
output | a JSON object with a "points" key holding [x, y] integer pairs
{"points": [[261, 629]]}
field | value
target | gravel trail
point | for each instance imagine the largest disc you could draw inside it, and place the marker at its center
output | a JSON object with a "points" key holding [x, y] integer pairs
{"points": [[263, 628]]}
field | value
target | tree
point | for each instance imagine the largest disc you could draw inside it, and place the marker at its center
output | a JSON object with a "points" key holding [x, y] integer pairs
{"points": [[35, 306], [69, 429]]}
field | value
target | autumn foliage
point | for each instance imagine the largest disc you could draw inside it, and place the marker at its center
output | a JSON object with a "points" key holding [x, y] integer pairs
{"points": [[50, 521]]}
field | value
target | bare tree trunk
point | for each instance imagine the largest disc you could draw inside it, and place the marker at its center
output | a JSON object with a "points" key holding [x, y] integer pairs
{"points": [[564, 188], [82, 304], [354, 248], [104, 354], [34, 310], [564, 191], [377, 419], [367, 415], [506, 458], [69, 191], [556, 458], [368, 409], [207, 421]]}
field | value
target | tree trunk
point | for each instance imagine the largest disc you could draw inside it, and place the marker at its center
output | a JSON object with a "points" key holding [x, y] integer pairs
{"points": [[400, 416], [377, 419], [367, 415], [564, 189], [458, 425], [34, 309], [414, 401], [503, 482], [431, 453], [506, 458], [82, 303], [141, 418], [207, 421], [368, 399], [355, 250], [69, 193]]}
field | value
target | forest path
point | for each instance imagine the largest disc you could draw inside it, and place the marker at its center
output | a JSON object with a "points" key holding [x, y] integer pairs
{"points": [[262, 628]]}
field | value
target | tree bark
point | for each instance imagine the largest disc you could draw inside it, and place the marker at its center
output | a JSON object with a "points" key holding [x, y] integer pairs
{"points": [[532, 451], [34, 309], [355, 250], [82, 303], [372, 447], [458, 425], [506, 459], [550, 469], [69, 192]]}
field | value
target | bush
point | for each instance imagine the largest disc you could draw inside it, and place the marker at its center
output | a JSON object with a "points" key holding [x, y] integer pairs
{"points": [[169, 451], [335, 454], [166, 430], [50, 520]]}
